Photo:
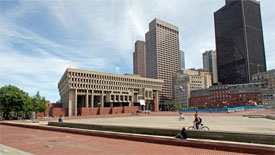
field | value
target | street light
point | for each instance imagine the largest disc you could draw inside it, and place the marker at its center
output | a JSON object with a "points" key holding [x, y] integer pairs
{"points": [[258, 65]]}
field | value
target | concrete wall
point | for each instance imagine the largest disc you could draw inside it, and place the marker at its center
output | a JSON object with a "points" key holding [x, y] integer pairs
{"points": [[215, 135]]}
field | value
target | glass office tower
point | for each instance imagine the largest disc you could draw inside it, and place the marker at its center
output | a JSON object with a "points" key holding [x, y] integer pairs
{"points": [[239, 41]]}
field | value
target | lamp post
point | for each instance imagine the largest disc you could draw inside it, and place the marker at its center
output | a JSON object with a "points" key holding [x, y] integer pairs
{"points": [[258, 65]]}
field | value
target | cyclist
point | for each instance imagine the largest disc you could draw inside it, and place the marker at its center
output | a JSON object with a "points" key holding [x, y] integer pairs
{"points": [[181, 116], [197, 121]]}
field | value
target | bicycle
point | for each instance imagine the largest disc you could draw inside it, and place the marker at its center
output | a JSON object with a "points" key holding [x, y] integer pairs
{"points": [[201, 127], [181, 118]]}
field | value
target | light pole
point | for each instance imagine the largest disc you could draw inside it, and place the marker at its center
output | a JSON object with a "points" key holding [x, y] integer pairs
{"points": [[258, 65]]}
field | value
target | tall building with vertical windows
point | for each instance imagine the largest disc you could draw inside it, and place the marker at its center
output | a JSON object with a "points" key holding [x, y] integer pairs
{"points": [[210, 64], [162, 54], [239, 41], [139, 57], [182, 60]]}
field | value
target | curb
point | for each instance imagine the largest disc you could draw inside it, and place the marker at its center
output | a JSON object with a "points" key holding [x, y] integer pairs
{"points": [[203, 144]]}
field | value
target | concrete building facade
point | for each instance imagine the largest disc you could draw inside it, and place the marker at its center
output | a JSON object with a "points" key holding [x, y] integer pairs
{"points": [[210, 64], [88, 89], [162, 54], [268, 97], [184, 81], [220, 96], [267, 79], [239, 41], [139, 59]]}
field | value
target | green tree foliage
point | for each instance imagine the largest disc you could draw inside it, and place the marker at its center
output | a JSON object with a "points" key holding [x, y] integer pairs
{"points": [[16, 101], [12, 99], [39, 103], [176, 107]]}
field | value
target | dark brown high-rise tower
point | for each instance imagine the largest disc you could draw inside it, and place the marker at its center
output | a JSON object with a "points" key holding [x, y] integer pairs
{"points": [[140, 59]]}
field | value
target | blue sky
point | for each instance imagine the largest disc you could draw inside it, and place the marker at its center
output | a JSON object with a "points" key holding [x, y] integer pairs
{"points": [[40, 39]]}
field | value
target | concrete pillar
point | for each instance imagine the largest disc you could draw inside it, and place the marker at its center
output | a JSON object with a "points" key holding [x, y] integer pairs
{"points": [[70, 108], [102, 99], [157, 102], [75, 104], [92, 99], [87, 99]]}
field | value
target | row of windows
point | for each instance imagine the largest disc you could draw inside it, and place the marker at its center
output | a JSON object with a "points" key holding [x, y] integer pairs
{"points": [[117, 97], [87, 75], [167, 28], [104, 83]]}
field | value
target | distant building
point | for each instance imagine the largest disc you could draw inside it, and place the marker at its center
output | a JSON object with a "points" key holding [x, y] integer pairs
{"points": [[182, 59], [184, 81], [210, 64], [239, 41], [268, 97], [162, 55], [267, 79], [221, 96], [139, 58], [82, 90]]}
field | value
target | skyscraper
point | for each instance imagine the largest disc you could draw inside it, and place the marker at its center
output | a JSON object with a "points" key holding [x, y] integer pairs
{"points": [[162, 54], [182, 60], [239, 41], [210, 64], [139, 57]]}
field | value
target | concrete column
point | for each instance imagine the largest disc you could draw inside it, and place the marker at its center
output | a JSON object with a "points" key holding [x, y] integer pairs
{"points": [[102, 99], [75, 104], [87, 99], [157, 96], [92, 99]]}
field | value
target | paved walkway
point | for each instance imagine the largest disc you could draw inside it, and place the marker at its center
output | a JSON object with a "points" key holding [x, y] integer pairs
{"points": [[221, 123], [50, 142], [5, 150]]}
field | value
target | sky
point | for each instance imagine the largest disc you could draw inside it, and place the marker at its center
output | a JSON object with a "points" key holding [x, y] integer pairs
{"points": [[40, 39]]}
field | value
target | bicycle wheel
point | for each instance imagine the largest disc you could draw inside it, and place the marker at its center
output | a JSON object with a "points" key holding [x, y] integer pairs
{"points": [[190, 128], [204, 128]]}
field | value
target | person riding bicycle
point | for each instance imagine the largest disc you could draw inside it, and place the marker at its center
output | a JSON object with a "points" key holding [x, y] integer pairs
{"points": [[197, 121], [181, 116]]}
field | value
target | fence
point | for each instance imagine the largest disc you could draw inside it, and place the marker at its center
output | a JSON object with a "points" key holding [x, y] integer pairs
{"points": [[234, 109]]}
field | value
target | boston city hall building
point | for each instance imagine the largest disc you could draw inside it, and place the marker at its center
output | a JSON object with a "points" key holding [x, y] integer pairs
{"points": [[88, 93]]}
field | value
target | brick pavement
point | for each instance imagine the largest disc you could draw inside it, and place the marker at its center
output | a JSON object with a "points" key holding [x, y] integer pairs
{"points": [[50, 142]]}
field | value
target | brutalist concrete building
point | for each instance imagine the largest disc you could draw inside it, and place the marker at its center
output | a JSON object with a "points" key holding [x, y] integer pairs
{"points": [[88, 90]]}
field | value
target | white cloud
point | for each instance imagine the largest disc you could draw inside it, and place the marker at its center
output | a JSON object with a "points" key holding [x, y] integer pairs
{"points": [[100, 35], [117, 69]]}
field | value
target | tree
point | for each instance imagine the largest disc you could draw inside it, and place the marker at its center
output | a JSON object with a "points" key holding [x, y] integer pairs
{"points": [[39, 103], [12, 99]]}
